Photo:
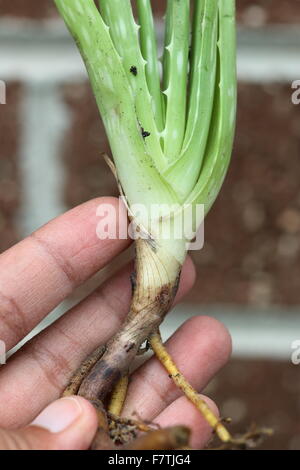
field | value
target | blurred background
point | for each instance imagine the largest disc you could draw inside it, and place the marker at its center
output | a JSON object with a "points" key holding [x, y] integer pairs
{"points": [[51, 138]]}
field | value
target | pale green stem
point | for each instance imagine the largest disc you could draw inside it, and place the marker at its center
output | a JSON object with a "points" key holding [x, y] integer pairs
{"points": [[149, 51], [167, 41], [198, 135], [176, 69], [201, 97], [138, 176], [124, 32], [220, 141]]}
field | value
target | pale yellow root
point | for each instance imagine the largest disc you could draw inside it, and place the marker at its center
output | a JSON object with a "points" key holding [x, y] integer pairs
{"points": [[166, 360], [82, 371], [118, 396]]}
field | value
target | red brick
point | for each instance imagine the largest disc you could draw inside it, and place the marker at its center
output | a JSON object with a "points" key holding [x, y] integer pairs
{"points": [[260, 12], [34, 9], [88, 175], [246, 261], [251, 13], [260, 392]]}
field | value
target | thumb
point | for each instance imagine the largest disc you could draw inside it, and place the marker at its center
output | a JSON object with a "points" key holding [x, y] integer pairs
{"points": [[67, 424]]}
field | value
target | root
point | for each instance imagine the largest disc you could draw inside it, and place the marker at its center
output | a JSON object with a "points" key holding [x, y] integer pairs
{"points": [[102, 415], [83, 371], [118, 397], [121, 434], [155, 285], [174, 373], [250, 440], [124, 430], [102, 440], [138, 425], [120, 431], [157, 278], [156, 282]]}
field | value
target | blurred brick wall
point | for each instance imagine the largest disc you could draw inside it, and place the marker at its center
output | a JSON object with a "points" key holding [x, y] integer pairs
{"points": [[88, 176], [259, 12], [33, 9], [260, 394], [254, 254], [252, 13]]}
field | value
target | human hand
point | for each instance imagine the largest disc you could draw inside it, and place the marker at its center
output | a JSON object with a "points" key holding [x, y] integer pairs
{"points": [[36, 275]]}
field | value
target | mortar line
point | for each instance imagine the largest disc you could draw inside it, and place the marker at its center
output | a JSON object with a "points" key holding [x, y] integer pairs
{"points": [[44, 120]]}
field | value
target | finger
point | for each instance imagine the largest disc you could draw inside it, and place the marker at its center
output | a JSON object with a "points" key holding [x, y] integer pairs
{"points": [[42, 270], [200, 347], [46, 364], [67, 424], [183, 413]]}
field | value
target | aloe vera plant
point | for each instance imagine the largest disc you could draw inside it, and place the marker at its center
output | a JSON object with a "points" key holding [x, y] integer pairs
{"points": [[171, 129]]}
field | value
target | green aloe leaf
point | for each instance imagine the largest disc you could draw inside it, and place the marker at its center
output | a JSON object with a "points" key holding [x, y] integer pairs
{"points": [[167, 149]]}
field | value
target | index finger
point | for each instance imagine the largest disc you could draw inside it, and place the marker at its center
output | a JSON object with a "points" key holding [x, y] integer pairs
{"points": [[38, 273]]}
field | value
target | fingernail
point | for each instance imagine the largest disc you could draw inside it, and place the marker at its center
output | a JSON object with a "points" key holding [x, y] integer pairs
{"points": [[59, 415]]}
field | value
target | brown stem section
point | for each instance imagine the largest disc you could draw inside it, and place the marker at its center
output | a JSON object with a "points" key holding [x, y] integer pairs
{"points": [[157, 278]]}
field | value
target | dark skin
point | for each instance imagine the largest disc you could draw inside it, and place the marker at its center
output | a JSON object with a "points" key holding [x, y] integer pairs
{"points": [[39, 273]]}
